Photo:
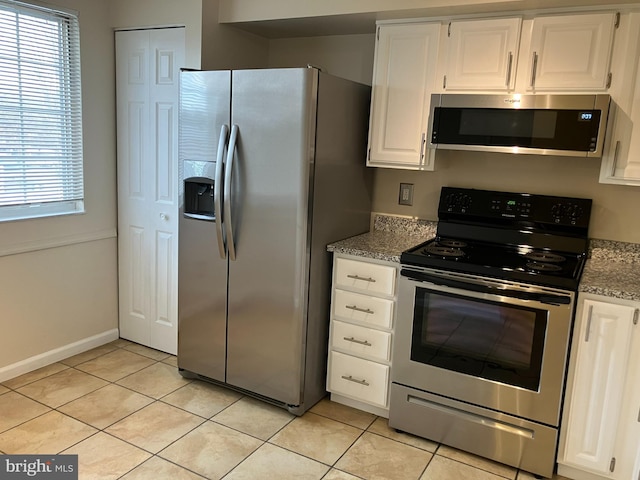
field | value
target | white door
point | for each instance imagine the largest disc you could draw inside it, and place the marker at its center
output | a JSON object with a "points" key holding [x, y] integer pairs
{"points": [[482, 54], [403, 80], [147, 82]]}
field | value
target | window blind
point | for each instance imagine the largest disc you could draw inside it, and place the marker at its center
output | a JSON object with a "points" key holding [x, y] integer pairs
{"points": [[41, 171]]}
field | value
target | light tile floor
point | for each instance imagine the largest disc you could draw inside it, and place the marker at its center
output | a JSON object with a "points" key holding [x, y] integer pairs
{"points": [[127, 412]]}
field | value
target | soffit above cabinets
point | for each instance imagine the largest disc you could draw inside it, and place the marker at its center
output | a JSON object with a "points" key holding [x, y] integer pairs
{"points": [[267, 18]]}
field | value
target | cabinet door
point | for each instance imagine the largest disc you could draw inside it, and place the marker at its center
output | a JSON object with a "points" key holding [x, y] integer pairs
{"points": [[403, 79], [621, 158], [627, 450], [601, 349], [482, 54], [571, 52]]}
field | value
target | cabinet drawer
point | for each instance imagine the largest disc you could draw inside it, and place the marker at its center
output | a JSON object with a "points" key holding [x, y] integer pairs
{"points": [[368, 277], [360, 379], [363, 308], [361, 340]]}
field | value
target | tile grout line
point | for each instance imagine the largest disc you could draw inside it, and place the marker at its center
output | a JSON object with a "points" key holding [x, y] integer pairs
{"points": [[206, 419]]}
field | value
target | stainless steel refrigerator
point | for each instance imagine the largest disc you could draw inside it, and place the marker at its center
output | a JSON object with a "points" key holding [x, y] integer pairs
{"points": [[272, 169]]}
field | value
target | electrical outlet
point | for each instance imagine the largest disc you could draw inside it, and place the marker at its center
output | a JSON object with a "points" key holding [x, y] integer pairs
{"points": [[406, 194]]}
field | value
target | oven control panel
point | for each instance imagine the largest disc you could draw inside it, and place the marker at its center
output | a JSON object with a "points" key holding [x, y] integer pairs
{"points": [[518, 208]]}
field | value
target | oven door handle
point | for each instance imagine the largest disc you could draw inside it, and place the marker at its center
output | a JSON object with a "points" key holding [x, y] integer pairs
{"points": [[484, 288]]}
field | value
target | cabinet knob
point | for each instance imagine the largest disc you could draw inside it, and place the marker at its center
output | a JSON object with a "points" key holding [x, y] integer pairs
{"points": [[163, 216]]}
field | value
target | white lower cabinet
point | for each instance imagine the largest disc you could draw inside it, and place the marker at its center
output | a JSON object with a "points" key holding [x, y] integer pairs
{"points": [[600, 428], [362, 316]]}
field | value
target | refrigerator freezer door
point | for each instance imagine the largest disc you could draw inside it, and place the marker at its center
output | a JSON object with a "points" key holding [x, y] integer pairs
{"points": [[202, 273], [272, 174]]}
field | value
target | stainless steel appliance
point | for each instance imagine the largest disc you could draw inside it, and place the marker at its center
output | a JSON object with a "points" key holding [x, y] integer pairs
{"points": [[272, 170], [485, 312], [569, 125]]}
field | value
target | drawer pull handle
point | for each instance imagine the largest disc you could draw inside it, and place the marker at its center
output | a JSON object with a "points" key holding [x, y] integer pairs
{"points": [[364, 279], [355, 380], [359, 342], [358, 309]]}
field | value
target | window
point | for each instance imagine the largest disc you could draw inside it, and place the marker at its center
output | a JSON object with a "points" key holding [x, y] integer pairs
{"points": [[40, 113]]}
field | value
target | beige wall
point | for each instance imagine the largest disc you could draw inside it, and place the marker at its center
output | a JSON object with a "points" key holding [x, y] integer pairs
{"points": [[127, 14], [225, 47], [615, 208], [58, 282], [347, 56]]}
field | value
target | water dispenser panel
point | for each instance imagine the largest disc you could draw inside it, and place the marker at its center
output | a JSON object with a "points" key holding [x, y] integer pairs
{"points": [[198, 198]]}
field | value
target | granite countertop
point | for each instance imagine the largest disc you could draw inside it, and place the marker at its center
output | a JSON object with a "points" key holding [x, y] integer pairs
{"points": [[613, 270], [388, 239]]}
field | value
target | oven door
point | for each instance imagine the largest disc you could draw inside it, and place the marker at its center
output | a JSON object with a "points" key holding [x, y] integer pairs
{"points": [[491, 343]]}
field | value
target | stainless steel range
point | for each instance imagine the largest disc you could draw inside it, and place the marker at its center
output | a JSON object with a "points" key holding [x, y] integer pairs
{"points": [[485, 312]]}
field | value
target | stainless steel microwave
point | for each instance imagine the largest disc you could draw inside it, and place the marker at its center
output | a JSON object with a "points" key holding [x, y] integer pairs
{"points": [[569, 125]]}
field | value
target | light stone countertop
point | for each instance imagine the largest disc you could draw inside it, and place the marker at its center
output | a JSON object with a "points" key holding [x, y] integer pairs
{"points": [[388, 239], [612, 270]]}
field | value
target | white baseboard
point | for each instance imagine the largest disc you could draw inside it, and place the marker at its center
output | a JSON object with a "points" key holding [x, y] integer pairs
{"points": [[52, 356]]}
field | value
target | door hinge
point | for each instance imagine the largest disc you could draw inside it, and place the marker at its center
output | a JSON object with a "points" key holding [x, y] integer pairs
{"points": [[635, 316], [616, 24], [609, 78], [449, 30], [612, 465], [444, 82]]}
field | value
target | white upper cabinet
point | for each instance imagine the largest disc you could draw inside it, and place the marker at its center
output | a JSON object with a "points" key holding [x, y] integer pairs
{"points": [[482, 54], [403, 79], [569, 53], [621, 157]]}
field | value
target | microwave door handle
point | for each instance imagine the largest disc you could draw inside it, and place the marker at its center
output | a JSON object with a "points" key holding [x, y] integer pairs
{"points": [[484, 288], [217, 192], [228, 222]]}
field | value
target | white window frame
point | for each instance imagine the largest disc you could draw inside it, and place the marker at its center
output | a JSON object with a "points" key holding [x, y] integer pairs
{"points": [[41, 154]]}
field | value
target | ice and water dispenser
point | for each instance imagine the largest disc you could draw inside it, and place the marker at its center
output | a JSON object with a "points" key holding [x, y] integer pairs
{"points": [[199, 186]]}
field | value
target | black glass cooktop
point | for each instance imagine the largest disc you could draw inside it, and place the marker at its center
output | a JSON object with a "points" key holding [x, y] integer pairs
{"points": [[518, 263], [539, 239]]}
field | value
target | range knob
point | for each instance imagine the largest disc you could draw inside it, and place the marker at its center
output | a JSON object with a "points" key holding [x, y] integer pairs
{"points": [[458, 202], [557, 212], [574, 211]]}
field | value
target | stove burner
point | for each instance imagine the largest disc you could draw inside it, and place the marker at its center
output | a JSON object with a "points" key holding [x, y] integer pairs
{"points": [[544, 267], [443, 251], [546, 257], [452, 243]]}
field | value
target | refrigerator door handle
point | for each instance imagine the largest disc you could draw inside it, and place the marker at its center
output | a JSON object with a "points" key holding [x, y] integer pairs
{"points": [[227, 192], [217, 192]]}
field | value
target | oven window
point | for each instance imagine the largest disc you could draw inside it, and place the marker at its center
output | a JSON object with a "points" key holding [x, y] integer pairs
{"points": [[486, 339]]}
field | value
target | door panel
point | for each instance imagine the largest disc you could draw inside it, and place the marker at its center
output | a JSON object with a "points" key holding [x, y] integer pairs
{"points": [[147, 66], [202, 279], [275, 111]]}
